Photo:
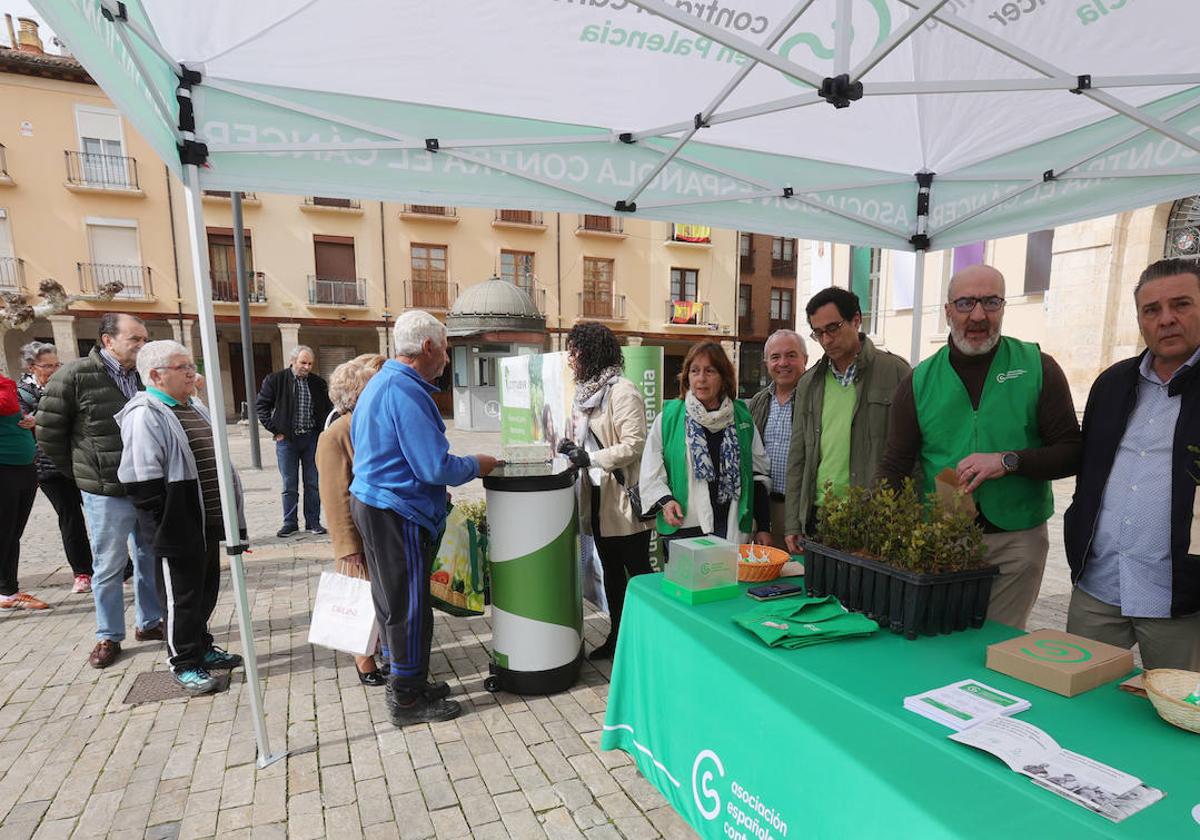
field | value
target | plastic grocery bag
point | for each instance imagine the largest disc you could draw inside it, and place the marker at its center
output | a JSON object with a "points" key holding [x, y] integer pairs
{"points": [[343, 617], [457, 582]]}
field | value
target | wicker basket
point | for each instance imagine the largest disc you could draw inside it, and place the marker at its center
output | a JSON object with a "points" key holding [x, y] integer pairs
{"points": [[1166, 687], [759, 572]]}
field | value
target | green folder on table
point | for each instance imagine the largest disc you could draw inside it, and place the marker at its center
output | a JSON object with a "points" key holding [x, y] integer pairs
{"points": [[801, 622]]}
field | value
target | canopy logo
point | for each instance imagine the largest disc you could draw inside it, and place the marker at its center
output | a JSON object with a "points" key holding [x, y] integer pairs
{"points": [[701, 784], [813, 41]]}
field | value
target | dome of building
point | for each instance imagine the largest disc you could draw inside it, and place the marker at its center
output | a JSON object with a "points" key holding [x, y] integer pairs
{"points": [[493, 305]]}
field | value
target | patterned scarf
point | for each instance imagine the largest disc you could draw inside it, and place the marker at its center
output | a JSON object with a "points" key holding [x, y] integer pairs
{"points": [[699, 418], [588, 396]]}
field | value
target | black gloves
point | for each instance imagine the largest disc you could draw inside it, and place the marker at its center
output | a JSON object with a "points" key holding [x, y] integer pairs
{"points": [[575, 454]]}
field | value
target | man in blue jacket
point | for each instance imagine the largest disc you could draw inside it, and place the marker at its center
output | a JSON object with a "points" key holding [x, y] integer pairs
{"points": [[402, 465]]}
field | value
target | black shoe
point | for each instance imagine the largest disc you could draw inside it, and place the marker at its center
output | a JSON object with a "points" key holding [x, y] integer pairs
{"points": [[605, 651], [319, 530], [374, 678], [286, 531], [439, 690], [409, 707]]}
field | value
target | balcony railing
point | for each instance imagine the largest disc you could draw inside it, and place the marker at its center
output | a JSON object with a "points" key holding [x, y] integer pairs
{"points": [[746, 263], [336, 291], [601, 224], [430, 294], [519, 217], [225, 286], [12, 275], [602, 307], [536, 294], [783, 268], [327, 201], [134, 279], [3, 163], [431, 210], [781, 324], [111, 172], [683, 312]]}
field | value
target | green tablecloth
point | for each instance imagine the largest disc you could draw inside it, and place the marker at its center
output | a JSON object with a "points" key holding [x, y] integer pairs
{"points": [[745, 740]]}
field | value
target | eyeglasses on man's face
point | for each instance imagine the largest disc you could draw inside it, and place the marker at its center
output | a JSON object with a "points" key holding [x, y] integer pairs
{"points": [[48, 365], [966, 305], [187, 367], [818, 333]]}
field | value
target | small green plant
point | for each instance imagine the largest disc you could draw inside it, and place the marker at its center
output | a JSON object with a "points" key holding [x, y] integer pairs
{"points": [[897, 528]]}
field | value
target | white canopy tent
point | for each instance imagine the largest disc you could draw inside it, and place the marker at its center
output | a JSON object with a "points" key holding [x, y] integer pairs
{"points": [[908, 124]]}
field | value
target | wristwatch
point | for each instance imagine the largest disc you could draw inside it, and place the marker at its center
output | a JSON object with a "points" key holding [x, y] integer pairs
{"points": [[1011, 461]]}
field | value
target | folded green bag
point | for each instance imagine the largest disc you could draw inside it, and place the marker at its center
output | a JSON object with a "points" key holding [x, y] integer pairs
{"points": [[800, 622]]}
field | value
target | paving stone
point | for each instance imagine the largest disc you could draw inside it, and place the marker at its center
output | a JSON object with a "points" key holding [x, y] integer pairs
{"points": [[559, 825], [412, 816], [523, 824], [449, 823], [373, 803], [669, 824], [552, 762]]}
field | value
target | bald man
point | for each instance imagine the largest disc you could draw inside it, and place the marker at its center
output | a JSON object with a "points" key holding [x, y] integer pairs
{"points": [[999, 413]]}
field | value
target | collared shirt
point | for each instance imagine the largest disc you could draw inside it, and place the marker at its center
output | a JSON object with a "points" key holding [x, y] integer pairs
{"points": [[126, 380], [777, 435], [846, 378], [1130, 561], [303, 422]]}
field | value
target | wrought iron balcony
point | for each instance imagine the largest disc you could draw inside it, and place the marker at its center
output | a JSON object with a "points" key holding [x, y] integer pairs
{"points": [[602, 307], [225, 286], [134, 279], [12, 275], [336, 291], [430, 294], [519, 217], [601, 224], [687, 312], [3, 164], [431, 210], [226, 194], [783, 268], [109, 172], [336, 203]]}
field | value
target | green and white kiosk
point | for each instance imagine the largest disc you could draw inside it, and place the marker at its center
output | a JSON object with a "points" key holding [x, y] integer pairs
{"points": [[537, 599]]}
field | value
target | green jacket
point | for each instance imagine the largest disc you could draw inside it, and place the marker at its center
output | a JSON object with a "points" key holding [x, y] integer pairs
{"points": [[75, 425], [875, 380]]}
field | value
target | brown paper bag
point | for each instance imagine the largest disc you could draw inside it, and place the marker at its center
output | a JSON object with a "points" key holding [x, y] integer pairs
{"points": [[950, 495]]}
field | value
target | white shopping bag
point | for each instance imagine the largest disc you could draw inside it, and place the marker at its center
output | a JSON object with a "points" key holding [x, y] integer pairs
{"points": [[343, 617]]}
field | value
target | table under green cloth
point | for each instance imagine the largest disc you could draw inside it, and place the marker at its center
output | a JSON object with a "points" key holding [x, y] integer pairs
{"points": [[746, 740]]}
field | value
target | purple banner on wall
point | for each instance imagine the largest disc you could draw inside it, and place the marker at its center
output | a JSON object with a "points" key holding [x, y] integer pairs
{"points": [[965, 255]]}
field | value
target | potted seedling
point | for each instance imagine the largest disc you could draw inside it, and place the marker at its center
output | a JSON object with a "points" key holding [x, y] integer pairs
{"points": [[917, 567]]}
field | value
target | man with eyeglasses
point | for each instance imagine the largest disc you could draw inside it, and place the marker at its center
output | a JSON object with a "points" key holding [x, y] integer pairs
{"points": [[1132, 532], [76, 430], [840, 421], [169, 469], [999, 413]]}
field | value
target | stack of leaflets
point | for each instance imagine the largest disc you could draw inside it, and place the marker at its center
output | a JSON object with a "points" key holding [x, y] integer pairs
{"points": [[1031, 752], [964, 704]]}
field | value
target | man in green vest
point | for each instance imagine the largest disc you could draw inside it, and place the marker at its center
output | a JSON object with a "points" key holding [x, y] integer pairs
{"points": [[842, 405], [998, 412]]}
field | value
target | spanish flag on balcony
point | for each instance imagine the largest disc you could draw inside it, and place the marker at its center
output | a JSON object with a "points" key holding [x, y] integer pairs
{"points": [[686, 311], [693, 233]]}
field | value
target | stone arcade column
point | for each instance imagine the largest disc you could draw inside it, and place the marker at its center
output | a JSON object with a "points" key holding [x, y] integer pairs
{"points": [[64, 337], [289, 336], [383, 341]]}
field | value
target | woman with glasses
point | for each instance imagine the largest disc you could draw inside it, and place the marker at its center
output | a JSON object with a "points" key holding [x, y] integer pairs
{"points": [[41, 361], [705, 467]]}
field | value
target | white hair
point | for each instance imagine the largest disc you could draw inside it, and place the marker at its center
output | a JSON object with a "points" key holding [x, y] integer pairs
{"points": [[784, 333], [297, 350], [157, 354], [413, 328]]}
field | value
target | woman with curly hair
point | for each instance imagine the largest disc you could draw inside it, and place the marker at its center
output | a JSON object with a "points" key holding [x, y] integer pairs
{"points": [[705, 467], [335, 471], [607, 435]]}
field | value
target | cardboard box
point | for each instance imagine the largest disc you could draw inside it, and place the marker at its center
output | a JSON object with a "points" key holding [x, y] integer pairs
{"points": [[1060, 662]]}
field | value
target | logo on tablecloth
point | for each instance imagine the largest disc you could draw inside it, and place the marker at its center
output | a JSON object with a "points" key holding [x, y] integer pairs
{"points": [[701, 783]]}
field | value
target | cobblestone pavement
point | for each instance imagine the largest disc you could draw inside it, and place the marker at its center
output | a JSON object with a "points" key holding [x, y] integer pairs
{"points": [[77, 762]]}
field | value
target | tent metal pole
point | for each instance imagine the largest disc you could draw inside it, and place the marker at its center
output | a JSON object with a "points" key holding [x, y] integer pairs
{"points": [[146, 36], [843, 32], [243, 287], [914, 349], [155, 94], [216, 404]]}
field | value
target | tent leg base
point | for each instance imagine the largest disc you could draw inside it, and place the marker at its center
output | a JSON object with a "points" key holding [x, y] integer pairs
{"points": [[268, 760]]}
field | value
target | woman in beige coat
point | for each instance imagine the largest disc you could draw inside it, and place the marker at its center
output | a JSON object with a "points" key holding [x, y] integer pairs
{"points": [[607, 436], [335, 471]]}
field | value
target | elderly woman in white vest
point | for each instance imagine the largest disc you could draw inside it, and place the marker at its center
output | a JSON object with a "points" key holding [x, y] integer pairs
{"points": [[705, 467]]}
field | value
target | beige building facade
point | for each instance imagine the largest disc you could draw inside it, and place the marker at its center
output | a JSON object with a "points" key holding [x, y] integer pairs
{"points": [[83, 200]]}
